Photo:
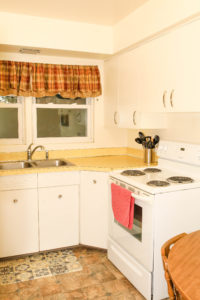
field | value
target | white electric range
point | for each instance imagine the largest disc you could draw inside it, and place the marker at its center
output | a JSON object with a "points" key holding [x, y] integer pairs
{"points": [[167, 202]]}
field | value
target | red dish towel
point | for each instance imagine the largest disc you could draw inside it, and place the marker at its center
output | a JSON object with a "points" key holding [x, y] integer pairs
{"points": [[122, 205]]}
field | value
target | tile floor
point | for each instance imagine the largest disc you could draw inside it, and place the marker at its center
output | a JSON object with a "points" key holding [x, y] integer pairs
{"points": [[99, 279]]}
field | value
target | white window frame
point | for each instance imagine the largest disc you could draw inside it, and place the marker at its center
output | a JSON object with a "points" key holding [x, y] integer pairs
{"points": [[59, 140], [20, 106]]}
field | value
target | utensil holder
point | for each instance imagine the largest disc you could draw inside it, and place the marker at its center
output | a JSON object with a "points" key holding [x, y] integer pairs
{"points": [[153, 155], [149, 156]]}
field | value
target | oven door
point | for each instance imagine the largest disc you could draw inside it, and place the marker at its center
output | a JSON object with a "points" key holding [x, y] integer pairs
{"points": [[138, 241]]}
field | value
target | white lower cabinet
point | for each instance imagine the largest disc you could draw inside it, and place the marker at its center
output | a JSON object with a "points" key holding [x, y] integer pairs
{"points": [[53, 210], [18, 222], [94, 209], [58, 216]]}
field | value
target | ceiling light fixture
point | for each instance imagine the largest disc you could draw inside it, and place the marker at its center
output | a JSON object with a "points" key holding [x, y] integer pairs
{"points": [[29, 51]]}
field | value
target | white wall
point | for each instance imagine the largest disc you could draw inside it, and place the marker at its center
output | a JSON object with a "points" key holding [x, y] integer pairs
{"points": [[28, 31], [151, 18], [182, 127], [103, 137]]}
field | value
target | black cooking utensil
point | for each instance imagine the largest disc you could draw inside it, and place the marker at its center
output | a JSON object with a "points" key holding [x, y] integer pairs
{"points": [[138, 140], [156, 139], [144, 144], [148, 138], [150, 145], [141, 135]]}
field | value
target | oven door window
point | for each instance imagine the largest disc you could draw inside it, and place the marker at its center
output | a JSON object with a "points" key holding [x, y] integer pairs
{"points": [[136, 230]]}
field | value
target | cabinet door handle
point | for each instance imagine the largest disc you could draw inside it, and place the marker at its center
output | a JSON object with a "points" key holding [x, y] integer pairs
{"points": [[164, 98], [171, 98], [115, 117], [94, 181], [15, 200], [60, 196], [134, 121]]}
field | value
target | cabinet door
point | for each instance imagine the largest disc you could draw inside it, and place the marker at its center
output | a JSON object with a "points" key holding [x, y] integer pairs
{"points": [[171, 71], [94, 209], [155, 75], [128, 82], [111, 91], [185, 70], [18, 222], [58, 216]]}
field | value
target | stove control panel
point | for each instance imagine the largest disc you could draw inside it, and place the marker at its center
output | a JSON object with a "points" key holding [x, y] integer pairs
{"points": [[128, 187], [183, 152]]}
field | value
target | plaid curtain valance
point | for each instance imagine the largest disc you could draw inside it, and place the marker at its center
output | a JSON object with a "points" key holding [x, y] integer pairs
{"points": [[39, 80]]}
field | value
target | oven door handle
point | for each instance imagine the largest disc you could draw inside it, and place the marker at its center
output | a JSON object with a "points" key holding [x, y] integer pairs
{"points": [[147, 199]]}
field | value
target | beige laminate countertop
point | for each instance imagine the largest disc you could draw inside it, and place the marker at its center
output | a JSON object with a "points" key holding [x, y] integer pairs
{"points": [[103, 163]]}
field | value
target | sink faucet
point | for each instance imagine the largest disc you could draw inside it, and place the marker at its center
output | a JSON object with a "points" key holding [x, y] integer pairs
{"points": [[31, 152], [28, 151]]}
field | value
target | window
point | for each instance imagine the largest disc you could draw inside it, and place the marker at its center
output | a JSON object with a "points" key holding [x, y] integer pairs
{"points": [[62, 119], [11, 120], [54, 120]]}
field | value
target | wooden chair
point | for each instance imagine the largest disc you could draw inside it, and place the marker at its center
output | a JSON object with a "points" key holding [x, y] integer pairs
{"points": [[173, 293]]}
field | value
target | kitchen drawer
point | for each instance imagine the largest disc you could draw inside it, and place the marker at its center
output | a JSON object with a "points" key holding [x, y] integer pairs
{"points": [[18, 182], [130, 268], [58, 178]]}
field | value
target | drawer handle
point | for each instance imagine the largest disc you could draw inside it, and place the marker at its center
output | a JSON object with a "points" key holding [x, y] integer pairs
{"points": [[171, 98], [94, 181], [60, 196], [15, 200], [134, 121], [115, 117], [164, 98]]}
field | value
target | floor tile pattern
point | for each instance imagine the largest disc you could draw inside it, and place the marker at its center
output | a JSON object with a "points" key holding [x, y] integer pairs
{"points": [[98, 280], [37, 266]]}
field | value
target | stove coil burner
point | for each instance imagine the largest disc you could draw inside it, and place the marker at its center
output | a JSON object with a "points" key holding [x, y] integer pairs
{"points": [[152, 170], [180, 179], [132, 173], [158, 183]]}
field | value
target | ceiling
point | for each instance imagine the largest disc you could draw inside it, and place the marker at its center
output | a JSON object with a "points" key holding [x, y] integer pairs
{"points": [[103, 12]]}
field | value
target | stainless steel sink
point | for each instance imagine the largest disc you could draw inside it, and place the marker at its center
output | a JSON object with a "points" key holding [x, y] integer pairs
{"points": [[12, 165], [50, 163]]}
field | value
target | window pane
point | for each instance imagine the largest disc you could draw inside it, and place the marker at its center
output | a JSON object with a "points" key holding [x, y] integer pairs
{"points": [[61, 122], [57, 99], [8, 99], [8, 123]]}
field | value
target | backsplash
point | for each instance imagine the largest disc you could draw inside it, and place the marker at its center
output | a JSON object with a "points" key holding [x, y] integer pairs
{"points": [[6, 156]]}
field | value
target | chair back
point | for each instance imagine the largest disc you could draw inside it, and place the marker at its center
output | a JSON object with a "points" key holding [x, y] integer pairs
{"points": [[173, 293]]}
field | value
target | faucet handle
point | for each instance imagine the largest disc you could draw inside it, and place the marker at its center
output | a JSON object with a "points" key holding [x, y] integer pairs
{"points": [[47, 154], [29, 154]]}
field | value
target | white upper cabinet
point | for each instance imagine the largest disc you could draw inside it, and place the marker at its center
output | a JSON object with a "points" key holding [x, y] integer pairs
{"points": [[128, 85], [154, 82], [186, 76], [111, 91], [123, 82], [171, 71], [158, 77]]}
